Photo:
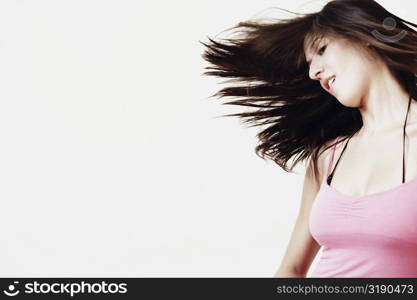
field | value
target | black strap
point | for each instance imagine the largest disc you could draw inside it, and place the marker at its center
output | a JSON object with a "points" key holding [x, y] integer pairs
{"points": [[405, 122], [330, 177]]}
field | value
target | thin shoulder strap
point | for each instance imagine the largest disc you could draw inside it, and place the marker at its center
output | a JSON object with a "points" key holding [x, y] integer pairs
{"points": [[330, 177], [331, 158]]}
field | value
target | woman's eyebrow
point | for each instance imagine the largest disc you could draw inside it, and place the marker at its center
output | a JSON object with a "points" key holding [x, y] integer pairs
{"points": [[313, 45]]}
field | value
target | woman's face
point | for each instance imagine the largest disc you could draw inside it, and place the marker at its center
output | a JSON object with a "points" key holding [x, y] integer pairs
{"points": [[350, 65]]}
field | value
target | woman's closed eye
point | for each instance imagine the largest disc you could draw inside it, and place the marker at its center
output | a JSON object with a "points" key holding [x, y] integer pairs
{"points": [[321, 50]]}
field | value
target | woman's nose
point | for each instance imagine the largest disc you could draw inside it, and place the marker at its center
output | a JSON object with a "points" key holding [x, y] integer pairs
{"points": [[315, 72]]}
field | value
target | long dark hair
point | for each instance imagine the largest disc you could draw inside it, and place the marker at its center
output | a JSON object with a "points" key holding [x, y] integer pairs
{"points": [[267, 61]]}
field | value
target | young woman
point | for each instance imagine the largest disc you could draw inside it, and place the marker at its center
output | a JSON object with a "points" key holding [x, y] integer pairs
{"points": [[337, 88]]}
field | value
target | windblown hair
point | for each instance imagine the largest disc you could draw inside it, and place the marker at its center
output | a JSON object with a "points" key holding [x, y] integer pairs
{"points": [[268, 62]]}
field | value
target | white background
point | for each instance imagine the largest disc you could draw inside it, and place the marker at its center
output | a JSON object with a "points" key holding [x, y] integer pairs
{"points": [[114, 161]]}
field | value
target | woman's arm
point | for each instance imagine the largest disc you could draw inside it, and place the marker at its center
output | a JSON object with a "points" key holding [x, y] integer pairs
{"points": [[302, 248]]}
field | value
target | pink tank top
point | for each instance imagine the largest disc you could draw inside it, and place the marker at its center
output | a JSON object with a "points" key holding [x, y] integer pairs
{"points": [[373, 235]]}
